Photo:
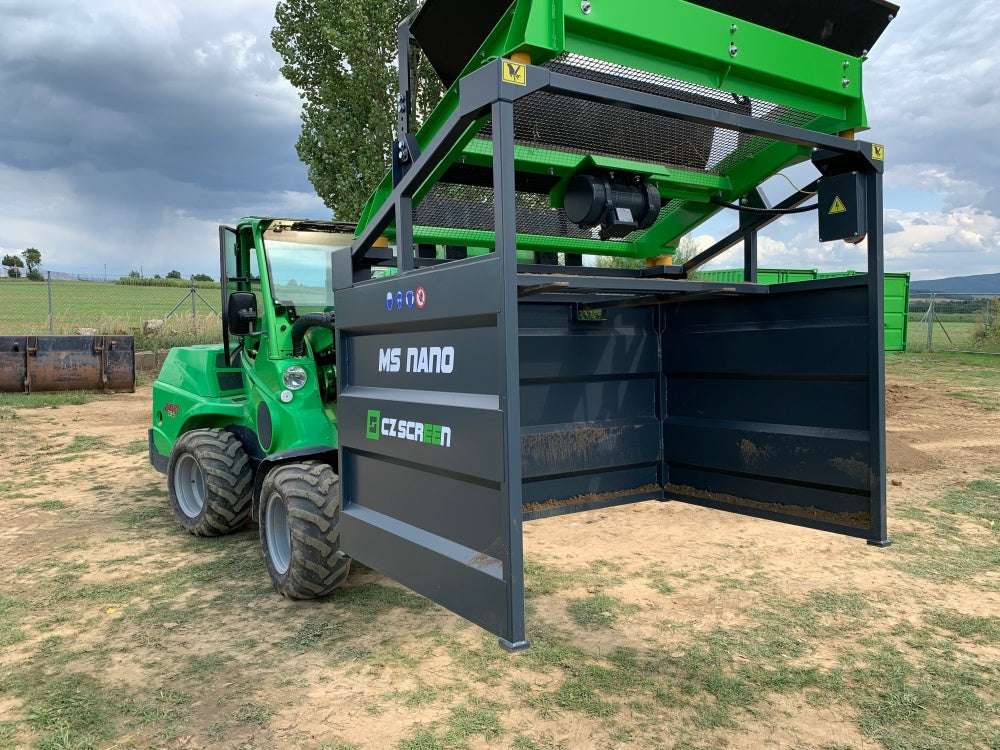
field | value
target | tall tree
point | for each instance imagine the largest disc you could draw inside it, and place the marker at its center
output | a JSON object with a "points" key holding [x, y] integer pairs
{"points": [[33, 258], [341, 56]]}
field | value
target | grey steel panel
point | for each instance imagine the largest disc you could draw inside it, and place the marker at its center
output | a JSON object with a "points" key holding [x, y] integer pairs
{"points": [[588, 446], [466, 296], [460, 578], [773, 399], [799, 504], [732, 337], [604, 482], [577, 401], [461, 510], [768, 400], [785, 452], [466, 440], [452, 360], [589, 399], [876, 347], [597, 353]]}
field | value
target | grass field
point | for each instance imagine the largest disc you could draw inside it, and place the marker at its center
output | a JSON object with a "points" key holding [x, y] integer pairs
{"points": [[113, 308], [110, 308]]}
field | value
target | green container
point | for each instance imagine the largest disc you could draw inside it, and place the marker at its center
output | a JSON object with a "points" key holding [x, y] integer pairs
{"points": [[800, 274], [728, 276], [897, 304], [764, 275], [897, 294]]}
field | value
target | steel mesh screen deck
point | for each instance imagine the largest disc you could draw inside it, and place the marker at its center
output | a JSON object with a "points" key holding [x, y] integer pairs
{"points": [[576, 127], [563, 123]]}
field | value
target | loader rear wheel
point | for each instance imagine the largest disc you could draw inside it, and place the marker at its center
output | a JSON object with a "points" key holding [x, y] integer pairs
{"points": [[300, 530], [210, 482]]}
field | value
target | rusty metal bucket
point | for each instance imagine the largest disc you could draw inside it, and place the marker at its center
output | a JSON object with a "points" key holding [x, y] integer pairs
{"points": [[32, 364]]}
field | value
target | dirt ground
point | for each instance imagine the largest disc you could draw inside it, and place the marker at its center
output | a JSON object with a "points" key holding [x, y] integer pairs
{"points": [[654, 625]]}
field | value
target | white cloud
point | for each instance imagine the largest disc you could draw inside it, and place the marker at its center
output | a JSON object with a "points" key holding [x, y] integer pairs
{"points": [[132, 129]]}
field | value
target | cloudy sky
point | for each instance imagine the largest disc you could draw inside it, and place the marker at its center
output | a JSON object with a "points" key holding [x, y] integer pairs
{"points": [[129, 131]]}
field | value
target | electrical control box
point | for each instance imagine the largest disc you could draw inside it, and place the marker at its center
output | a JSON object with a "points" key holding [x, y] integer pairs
{"points": [[842, 213]]}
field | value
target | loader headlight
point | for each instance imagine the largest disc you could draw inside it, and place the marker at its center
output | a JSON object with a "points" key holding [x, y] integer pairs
{"points": [[294, 378]]}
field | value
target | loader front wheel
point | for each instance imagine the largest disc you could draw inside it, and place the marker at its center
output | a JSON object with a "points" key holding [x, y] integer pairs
{"points": [[210, 482], [300, 530]]}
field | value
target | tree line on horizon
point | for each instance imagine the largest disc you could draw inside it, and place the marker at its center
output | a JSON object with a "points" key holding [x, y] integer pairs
{"points": [[28, 267]]}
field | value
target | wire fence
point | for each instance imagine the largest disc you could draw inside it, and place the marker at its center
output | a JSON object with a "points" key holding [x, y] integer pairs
{"points": [[944, 321], [176, 312], [159, 313]]}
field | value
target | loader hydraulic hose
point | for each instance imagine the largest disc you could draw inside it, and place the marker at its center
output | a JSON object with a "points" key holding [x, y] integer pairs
{"points": [[303, 325]]}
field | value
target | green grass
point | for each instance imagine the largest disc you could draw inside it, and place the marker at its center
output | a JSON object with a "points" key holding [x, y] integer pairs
{"points": [[44, 400], [970, 377], [940, 551], [338, 745], [960, 337], [599, 610], [968, 627], [249, 713], [542, 579], [478, 718], [11, 611], [136, 447], [84, 443], [424, 739], [49, 505], [90, 304]]}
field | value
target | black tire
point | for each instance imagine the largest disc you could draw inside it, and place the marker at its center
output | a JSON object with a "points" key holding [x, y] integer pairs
{"points": [[299, 523], [210, 482]]}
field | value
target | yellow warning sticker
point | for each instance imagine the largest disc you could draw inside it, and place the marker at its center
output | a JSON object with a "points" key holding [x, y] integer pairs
{"points": [[516, 73], [838, 207], [878, 152]]}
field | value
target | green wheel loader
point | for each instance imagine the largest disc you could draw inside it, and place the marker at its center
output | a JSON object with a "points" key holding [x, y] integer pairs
{"points": [[249, 427], [476, 373]]}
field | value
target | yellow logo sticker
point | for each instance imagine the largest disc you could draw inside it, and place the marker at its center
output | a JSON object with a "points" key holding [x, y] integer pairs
{"points": [[878, 152], [516, 73], [838, 207]]}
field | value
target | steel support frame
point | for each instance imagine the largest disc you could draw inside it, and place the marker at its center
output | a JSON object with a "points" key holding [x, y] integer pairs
{"points": [[505, 226], [485, 92], [480, 89]]}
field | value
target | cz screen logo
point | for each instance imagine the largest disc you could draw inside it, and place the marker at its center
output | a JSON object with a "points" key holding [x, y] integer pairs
{"points": [[373, 420], [378, 426]]}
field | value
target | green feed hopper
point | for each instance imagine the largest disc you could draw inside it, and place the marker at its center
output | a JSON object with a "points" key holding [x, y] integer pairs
{"points": [[787, 62]]}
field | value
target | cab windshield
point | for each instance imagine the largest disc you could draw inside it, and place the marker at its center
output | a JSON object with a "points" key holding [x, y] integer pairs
{"points": [[299, 266]]}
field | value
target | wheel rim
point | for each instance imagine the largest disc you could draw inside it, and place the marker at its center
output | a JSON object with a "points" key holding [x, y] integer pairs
{"points": [[279, 536], [189, 485]]}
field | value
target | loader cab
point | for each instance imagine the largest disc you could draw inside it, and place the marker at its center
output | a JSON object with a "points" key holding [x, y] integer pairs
{"points": [[277, 300]]}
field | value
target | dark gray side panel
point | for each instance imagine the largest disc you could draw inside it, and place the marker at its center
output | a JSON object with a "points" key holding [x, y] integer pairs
{"points": [[768, 406], [422, 439], [589, 401]]}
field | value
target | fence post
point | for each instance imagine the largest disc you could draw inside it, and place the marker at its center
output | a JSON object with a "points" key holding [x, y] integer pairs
{"points": [[49, 285], [930, 324], [194, 313]]}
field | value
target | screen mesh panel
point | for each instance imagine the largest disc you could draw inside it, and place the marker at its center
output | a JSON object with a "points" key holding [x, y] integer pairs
{"points": [[575, 127]]}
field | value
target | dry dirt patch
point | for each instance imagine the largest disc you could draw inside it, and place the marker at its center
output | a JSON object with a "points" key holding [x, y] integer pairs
{"points": [[654, 625]]}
